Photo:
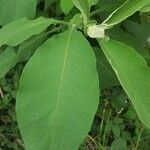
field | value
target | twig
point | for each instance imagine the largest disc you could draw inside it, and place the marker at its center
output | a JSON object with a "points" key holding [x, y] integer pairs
{"points": [[1, 93]]}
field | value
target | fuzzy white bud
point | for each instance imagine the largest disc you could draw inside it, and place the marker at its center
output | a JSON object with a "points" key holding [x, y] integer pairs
{"points": [[95, 31]]}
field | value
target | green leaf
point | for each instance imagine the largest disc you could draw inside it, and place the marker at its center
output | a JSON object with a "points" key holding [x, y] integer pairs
{"points": [[116, 130], [115, 3], [14, 9], [7, 61], [141, 31], [84, 8], [9, 58], [109, 5], [124, 11], [66, 5], [107, 76], [93, 2], [138, 42], [48, 3], [119, 144], [145, 8], [20, 30], [133, 74], [27, 48], [58, 94]]}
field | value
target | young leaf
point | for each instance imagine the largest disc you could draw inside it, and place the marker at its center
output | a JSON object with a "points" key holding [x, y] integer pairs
{"points": [[66, 6], [133, 73], [84, 8], [20, 30], [58, 94], [15, 9], [124, 11]]}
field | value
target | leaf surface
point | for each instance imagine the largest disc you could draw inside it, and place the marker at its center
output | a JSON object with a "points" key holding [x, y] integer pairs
{"points": [[119, 144], [20, 30], [83, 6], [59, 92], [66, 5], [93, 2], [48, 3], [124, 11], [14, 9], [7, 60], [133, 74], [107, 76]]}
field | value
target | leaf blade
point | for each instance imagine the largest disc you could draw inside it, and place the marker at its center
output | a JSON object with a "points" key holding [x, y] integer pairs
{"points": [[7, 60], [133, 74], [65, 83], [25, 29], [66, 6], [84, 8], [124, 11], [16, 9]]}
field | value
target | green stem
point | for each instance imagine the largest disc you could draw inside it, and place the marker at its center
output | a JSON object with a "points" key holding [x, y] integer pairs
{"points": [[105, 130], [100, 10], [92, 140], [138, 140], [96, 12], [62, 22], [102, 122]]}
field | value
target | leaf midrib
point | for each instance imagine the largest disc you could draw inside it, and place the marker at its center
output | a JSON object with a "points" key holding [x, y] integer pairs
{"points": [[61, 81], [106, 22]]}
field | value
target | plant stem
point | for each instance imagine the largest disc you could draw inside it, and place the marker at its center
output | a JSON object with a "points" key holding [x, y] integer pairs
{"points": [[105, 130], [92, 140], [102, 122], [62, 22], [1, 93], [138, 140]]}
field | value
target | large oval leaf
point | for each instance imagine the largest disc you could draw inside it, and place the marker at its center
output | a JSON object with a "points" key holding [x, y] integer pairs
{"points": [[133, 74], [59, 93]]}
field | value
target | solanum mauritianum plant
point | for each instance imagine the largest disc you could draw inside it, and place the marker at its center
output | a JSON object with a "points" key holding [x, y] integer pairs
{"points": [[59, 88]]}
